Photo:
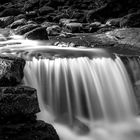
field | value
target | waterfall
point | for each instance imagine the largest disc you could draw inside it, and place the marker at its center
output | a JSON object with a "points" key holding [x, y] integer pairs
{"points": [[94, 89], [86, 94]]}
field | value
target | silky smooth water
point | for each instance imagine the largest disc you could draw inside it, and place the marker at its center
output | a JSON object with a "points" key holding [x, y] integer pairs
{"points": [[88, 99]]}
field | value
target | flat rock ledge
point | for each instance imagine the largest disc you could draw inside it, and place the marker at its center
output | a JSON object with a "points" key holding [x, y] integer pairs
{"points": [[16, 101]]}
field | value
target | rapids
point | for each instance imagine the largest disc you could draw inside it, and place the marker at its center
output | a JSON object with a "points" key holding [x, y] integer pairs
{"points": [[87, 94]]}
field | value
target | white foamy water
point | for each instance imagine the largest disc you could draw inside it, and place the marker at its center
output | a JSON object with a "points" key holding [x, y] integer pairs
{"points": [[88, 99]]}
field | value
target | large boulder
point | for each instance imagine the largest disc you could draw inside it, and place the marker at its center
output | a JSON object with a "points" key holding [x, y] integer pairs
{"points": [[130, 36], [74, 27], [116, 22], [39, 33], [131, 20], [45, 10], [5, 21], [37, 130], [17, 101], [11, 70], [18, 108], [30, 5], [53, 30], [10, 12], [26, 28], [17, 23], [32, 14]]}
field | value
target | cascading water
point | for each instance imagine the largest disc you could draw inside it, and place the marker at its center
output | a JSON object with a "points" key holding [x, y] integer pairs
{"points": [[85, 97], [81, 87], [90, 91]]}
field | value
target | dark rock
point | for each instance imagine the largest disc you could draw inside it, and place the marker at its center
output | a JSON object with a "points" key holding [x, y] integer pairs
{"points": [[11, 70], [114, 22], [45, 10], [18, 118], [26, 28], [4, 1], [53, 30], [31, 5], [2, 7], [16, 101], [50, 17], [95, 26], [74, 27], [37, 130], [5, 21], [48, 24], [65, 21], [17, 23], [79, 15], [43, 2], [40, 19], [131, 20], [32, 14], [10, 12], [59, 16], [39, 33], [108, 10], [20, 16]]}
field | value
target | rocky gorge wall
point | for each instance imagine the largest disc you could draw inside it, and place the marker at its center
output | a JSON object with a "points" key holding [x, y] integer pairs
{"points": [[19, 105]]}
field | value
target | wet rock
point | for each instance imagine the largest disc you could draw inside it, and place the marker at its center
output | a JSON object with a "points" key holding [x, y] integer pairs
{"points": [[93, 27], [129, 36], [59, 16], [105, 28], [53, 30], [17, 23], [114, 22], [66, 34], [26, 28], [30, 5], [10, 12], [20, 16], [74, 27], [2, 7], [40, 19], [5, 21], [39, 33], [45, 10], [11, 70], [50, 17], [37, 130], [43, 2], [2, 38], [48, 24], [108, 10], [80, 16], [65, 21], [131, 20], [32, 14], [16, 101]]}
